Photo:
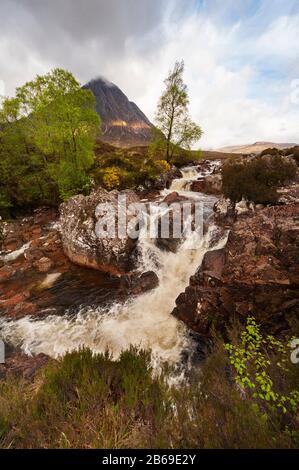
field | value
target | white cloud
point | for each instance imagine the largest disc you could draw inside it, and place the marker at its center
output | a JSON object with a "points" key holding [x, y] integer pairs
{"points": [[227, 63], [221, 77]]}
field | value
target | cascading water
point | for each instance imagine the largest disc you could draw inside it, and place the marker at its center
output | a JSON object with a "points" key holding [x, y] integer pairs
{"points": [[143, 321], [190, 174]]}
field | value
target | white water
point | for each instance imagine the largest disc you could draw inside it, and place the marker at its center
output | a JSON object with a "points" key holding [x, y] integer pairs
{"points": [[145, 321], [183, 184], [13, 255]]}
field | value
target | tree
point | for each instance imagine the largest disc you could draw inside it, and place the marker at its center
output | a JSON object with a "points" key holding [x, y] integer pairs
{"points": [[47, 136], [172, 117]]}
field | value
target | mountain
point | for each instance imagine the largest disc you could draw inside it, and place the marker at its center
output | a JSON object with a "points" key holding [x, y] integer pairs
{"points": [[257, 147], [123, 123]]}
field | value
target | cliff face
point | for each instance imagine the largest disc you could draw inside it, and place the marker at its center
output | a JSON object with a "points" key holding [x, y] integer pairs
{"points": [[256, 273], [123, 123]]}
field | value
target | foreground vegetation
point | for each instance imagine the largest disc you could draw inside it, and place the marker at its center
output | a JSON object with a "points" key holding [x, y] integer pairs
{"points": [[245, 396]]}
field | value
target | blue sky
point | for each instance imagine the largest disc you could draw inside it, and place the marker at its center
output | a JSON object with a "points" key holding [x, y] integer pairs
{"points": [[241, 56]]}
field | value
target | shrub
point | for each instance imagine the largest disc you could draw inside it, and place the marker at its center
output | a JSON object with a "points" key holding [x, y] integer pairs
{"points": [[127, 169], [245, 396], [162, 166], [85, 400], [111, 178], [294, 151], [256, 179]]}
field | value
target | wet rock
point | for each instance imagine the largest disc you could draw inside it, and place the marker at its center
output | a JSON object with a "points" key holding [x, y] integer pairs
{"points": [[43, 264], [137, 283], [211, 184], [256, 273], [6, 272], [169, 227], [174, 197], [81, 244], [224, 210]]}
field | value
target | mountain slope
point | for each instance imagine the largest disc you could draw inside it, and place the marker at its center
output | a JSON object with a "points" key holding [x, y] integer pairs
{"points": [[257, 147], [123, 123]]}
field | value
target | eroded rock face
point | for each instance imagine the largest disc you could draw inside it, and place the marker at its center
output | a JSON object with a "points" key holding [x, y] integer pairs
{"points": [[82, 245], [255, 274]]}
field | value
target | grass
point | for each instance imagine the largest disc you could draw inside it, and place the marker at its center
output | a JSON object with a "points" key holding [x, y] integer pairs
{"points": [[86, 400]]}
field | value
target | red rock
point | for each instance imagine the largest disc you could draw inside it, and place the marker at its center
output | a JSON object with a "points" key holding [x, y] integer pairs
{"points": [[174, 197], [43, 265], [6, 272], [255, 274]]}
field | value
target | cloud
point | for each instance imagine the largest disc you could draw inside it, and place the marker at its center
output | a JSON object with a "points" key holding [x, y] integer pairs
{"points": [[241, 57]]}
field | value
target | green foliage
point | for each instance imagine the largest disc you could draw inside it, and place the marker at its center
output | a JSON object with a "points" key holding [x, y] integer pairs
{"points": [[252, 364], [176, 130], [256, 179], [121, 169], [47, 135]]}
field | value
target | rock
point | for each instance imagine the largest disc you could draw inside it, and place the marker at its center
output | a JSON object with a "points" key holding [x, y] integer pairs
{"points": [[17, 364], [170, 242], [137, 283], [244, 207], [174, 197], [211, 184], [81, 244], [43, 265], [224, 210], [6, 272], [256, 273]]}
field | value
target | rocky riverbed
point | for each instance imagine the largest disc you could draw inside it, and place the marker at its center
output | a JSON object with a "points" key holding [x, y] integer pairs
{"points": [[51, 265]]}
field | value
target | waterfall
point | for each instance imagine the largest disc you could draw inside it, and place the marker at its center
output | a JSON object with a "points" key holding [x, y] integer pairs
{"points": [[190, 174], [144, 321]]}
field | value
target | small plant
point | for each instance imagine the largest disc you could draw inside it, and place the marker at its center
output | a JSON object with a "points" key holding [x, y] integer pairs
{"points": [[251, 362]]}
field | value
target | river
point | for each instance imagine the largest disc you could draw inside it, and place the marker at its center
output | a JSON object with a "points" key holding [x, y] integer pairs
{"points": [[145, 320]]}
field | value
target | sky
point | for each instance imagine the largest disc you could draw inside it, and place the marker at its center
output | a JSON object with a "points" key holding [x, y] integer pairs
{"points": [[241, 56]]}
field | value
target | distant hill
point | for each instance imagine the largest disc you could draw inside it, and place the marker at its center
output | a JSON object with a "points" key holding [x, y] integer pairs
{"points": [[123, 123], [257, 147]]}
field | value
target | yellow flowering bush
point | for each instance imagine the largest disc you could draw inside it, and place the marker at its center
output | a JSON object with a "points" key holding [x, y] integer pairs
{"points": [[111, 178]]}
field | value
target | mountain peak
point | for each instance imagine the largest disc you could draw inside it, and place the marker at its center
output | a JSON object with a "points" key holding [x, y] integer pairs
{"points": [[123, 123], [100, 79]]}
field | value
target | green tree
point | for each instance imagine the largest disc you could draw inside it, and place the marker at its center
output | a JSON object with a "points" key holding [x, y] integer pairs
{"points": [[172, 118], [47, 136]]}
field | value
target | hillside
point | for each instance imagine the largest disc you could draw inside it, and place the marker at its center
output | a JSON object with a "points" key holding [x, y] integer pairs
{"points": [[257, 147], [123, 123]]}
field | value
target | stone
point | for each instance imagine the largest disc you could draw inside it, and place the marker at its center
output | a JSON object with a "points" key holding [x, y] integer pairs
{"points": [[81, 244], [256, 273], [43, 265], [137, 283]]}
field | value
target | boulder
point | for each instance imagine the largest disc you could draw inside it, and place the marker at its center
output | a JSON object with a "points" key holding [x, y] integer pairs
{"points": [[211, 184], [174, 197], [79, 217], [224, 210], [136, 283], [171, 242]]}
